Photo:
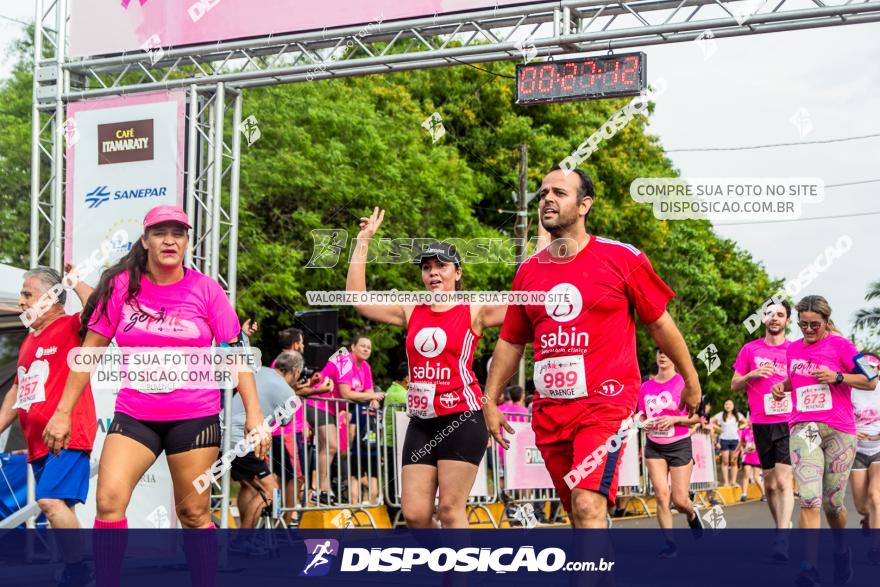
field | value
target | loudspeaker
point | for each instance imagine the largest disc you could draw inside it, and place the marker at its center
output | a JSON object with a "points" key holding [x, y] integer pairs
{"points": [[319, 327], [317, 355]]}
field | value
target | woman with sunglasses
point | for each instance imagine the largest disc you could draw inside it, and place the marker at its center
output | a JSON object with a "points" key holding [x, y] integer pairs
{"points": [[447, 436], [149, 299], [822, 373]]}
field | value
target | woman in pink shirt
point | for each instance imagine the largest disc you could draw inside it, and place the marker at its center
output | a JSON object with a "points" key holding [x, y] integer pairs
{"points": [[353, 381], [668, 452], [149, 299], [822, 374]]}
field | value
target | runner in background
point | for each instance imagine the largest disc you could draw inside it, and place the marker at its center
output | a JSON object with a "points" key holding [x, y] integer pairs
{"points": [[822, 372], [62, 480], [149, 299], [760, 365], [668, 452], [516, 406], [751, 462], [727, 423], [866, 467], [443, 394], [586, 369]]}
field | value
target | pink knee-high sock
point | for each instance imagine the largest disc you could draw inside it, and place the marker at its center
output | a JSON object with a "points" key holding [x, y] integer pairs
{"points": [[109, 550], [200, 547]]}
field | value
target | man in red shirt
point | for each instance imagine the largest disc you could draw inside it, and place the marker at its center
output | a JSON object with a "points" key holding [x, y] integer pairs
{"points": [[586, 372], [63, 480]]}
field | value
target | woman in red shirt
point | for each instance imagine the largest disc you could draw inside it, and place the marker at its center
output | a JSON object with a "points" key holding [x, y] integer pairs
{"points": [[447, 437]]}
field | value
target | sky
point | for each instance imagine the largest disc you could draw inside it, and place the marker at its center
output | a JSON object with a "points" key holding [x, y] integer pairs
{"points": [[746, 93]]}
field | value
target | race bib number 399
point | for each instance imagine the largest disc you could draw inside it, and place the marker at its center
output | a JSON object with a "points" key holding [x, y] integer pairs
{"points": [[773, 406], [420, 400], [814, 398], [561, 377]]}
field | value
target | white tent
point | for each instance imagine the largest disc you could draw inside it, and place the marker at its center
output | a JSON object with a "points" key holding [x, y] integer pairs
{"points": [[10, 285]]}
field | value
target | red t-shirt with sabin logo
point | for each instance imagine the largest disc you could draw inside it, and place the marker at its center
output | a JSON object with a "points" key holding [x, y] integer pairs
{"points": [[585, 347], [440, 350], [41, 376]]}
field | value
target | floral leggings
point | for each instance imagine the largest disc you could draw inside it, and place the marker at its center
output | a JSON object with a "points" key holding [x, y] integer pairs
{"points": [[822, 458]]}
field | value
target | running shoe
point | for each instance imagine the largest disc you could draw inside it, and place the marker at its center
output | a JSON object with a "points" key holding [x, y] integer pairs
{"points": [[866, 526], [874, 555], [780, 550], [808, 577], [763, 498], [669, 551], [76, 575], [743, 498], [696, 523], [843, 571]]}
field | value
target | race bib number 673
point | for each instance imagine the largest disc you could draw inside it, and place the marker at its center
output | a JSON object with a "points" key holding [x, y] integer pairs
{"points": [[561, 377], [813, 398]]}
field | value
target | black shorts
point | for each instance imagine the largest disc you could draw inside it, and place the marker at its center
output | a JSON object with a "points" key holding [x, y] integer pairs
{"points": [[676, 454], [455, 437], [290, 471], [172, 436], [771, 440], [366, 462], [247, 467], [317, 417]]}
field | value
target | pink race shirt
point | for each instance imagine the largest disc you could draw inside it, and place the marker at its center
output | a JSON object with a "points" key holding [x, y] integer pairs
{"points": [[662, 399], [514, 412], [190, 313], [762, 407], [818, 402], [341, 369]]}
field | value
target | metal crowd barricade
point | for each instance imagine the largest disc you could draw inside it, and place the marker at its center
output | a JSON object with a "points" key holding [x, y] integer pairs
{"points": [[637, 492], [517, 498], [700, 488], [326, 476], [392, 471]]}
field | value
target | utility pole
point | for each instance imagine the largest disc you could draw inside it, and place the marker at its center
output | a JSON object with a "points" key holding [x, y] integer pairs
{"points": [[521, 232]]}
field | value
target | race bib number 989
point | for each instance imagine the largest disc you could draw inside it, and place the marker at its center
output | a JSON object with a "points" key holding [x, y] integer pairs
{"points": [[420, 400], [561, 377]]}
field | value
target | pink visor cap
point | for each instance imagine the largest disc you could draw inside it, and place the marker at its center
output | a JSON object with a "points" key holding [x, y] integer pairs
{"points": [[161, 214]]}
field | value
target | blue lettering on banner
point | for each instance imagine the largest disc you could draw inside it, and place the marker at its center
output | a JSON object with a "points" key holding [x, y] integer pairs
{"points": [[148, 192]]}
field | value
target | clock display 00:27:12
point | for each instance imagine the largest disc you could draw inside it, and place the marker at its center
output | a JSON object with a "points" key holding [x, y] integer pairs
{"points": [[571, 79]]}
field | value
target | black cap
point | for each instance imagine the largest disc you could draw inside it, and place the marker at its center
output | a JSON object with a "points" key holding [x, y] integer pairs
{"points": [[442, 250]]}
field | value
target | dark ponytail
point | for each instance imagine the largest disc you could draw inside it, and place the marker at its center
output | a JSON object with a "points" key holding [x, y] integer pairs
{"points": [[135, 263]]}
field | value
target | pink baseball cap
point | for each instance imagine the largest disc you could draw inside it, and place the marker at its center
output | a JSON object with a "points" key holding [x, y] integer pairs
{"points": [[161, 214]]}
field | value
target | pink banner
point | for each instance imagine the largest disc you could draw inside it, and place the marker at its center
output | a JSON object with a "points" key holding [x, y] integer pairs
{"points": [[523, 466], [101, 27], [704, 459]]}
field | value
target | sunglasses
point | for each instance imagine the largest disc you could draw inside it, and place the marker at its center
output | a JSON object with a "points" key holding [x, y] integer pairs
{"points": [[809, 325]]}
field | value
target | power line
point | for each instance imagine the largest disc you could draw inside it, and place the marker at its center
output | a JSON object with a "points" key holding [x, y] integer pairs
{"points": [[795, 144], [859, 214], [484, 70], [837, 185], [21, 22]]}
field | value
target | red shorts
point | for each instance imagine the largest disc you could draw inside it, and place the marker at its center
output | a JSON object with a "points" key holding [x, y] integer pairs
{"points": [[581, 446]]}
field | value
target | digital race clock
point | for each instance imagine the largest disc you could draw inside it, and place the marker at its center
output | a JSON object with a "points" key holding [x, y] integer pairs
{"points": [[581, 79]]}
